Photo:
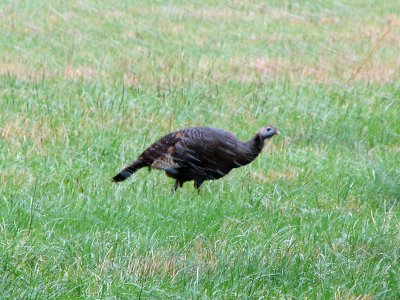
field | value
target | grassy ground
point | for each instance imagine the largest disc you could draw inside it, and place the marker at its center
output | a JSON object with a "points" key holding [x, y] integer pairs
{"points": [[86, 85]]}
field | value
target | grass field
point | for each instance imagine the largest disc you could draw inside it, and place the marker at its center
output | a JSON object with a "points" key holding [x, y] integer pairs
{"points": [[86, 85]]}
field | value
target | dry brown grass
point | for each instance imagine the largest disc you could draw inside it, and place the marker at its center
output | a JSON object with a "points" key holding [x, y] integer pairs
{"points": [[339, 295], [23, 130], [159, 263], [155, 263], [20, 70], [81, 72], [286, 174], [205, 255]]}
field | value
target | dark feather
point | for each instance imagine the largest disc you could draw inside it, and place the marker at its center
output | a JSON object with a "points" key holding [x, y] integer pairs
{"points": [[198, 154]]}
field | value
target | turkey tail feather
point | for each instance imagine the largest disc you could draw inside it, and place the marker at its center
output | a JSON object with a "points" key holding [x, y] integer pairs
{"points": [[128, 171]]}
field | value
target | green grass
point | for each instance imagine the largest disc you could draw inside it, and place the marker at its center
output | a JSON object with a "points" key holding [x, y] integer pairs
{"points": [[85, 86]]}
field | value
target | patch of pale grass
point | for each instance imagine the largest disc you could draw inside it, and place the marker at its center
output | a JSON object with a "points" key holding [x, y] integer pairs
{"points": [[21, 71], [81, 72], [285, 174], [156, 263], [23, 130], [341, 294]]}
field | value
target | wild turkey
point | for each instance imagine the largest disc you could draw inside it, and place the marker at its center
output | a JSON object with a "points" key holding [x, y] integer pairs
{"points": [[199, 154]]}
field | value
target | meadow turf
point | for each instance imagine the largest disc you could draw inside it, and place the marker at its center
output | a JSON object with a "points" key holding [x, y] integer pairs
{"points": [[85, 86]]}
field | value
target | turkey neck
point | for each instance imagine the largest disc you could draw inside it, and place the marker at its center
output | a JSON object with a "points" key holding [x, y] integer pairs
{"points": [[249, 150]]}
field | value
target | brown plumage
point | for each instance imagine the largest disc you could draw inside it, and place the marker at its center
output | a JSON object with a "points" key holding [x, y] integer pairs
{"points": [[198, 154]]}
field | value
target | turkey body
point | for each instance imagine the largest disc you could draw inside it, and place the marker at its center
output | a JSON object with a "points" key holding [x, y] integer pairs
{"points": [[198, 154]]}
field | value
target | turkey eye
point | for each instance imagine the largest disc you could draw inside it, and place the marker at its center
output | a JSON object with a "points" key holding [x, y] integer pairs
{"points": [[268, 129]]}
